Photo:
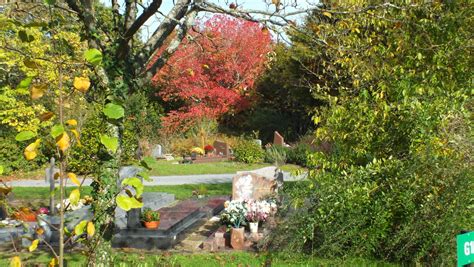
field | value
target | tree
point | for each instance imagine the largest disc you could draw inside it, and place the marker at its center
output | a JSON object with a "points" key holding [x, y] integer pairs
{"points": [[120, 64], [214, 71], [396, 84]]}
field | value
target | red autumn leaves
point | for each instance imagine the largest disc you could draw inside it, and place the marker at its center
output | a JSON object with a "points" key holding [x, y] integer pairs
{"points": [[213, 72]]}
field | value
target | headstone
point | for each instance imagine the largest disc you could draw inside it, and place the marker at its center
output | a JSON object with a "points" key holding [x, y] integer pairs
{"points": [[249, 185], [131, 217], [157, 151], [222, 148], [278, 139], [258, 141]]}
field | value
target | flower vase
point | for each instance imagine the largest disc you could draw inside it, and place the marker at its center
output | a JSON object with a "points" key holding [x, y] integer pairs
{"points": [[237, 238], [253, 227]]}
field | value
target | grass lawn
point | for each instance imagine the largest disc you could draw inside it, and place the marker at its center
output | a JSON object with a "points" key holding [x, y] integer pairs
{"points": [[202, 259], [163, 167], [180, 191]]}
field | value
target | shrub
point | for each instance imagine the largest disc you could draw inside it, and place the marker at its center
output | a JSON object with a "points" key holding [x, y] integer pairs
{"points": [[248, 151], [85, 159], [276, 155], [298, 154], [11, 156]]}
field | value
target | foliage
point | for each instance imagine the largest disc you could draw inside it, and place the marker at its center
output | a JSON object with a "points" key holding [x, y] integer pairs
{"points": [[149, 215], [85, 159], [283, 100], [145, 115], [214, 72], [276, 154], [298, 154], [248, 151], [11, 156], [398, 87]]}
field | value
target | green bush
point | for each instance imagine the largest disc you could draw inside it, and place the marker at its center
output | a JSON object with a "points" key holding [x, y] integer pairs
{"points": [[11, 156], [298, 155], [276, 155], [85, 159], [248, 151]]}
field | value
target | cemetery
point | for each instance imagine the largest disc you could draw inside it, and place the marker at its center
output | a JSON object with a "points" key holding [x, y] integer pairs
{"points": [[236, 133]]}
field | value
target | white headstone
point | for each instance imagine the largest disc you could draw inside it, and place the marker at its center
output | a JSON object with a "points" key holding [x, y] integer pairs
{"points": [[157, 151]]}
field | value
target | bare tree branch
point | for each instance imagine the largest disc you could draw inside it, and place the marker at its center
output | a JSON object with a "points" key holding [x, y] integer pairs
{"points": [[167, 26], [173, 46]]}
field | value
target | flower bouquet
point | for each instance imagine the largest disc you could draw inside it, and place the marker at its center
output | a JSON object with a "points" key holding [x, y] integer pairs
{"points": [[234, 216]]}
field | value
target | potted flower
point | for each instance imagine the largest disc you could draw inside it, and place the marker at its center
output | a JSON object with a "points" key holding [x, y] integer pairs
{"points": [[150, 218], [234, 216], [257, 211], [209, 149], [196, 151]]}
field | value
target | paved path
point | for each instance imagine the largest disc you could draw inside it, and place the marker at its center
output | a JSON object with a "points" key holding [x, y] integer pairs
{"points": [[159, 180]]}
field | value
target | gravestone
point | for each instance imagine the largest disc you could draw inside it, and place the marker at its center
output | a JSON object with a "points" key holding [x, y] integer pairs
{"points": [[157, 151], [278, 139], [152, 200], [249, 185], [222, 148], [258, 141]]}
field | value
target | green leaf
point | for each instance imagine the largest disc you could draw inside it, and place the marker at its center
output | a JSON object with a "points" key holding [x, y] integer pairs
{"points": [[79, 229], [25, 83], [136, 184], [25, 135], [93, 56], [147, 162], [50, 2], [1, 169], [74, 197], [111, 143], [57, 130], [114, 111], [25, 37], [126, 203], [145, 176]]}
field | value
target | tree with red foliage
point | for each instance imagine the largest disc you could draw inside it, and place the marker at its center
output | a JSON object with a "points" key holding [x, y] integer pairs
{"points": [[213, 71]]}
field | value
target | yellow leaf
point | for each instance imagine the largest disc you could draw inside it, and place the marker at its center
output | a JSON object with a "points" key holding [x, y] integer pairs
{"points": [[34, 245], [71, 122], [54, 262], [63, 141], [15, 262], [327, 14], [82, 84], [76, 134], [73, 178], [37, 90], [74, 197], [31, 151], [40, 231], [79, 229], [90, 229]]}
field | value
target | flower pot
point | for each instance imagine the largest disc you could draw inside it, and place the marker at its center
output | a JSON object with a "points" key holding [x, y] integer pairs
{"points": [[253, 227], [151, 225], [237, 238]]}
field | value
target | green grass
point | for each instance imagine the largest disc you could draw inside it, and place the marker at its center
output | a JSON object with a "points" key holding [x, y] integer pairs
{"points": [[202, 259], [164, 168], [180, 191]]}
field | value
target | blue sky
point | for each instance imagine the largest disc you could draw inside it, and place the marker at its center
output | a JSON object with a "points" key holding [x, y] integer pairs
{"points": [[262, 5]]}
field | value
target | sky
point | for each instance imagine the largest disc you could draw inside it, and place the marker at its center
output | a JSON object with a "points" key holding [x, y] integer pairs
{"points": [[263, 5]]}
